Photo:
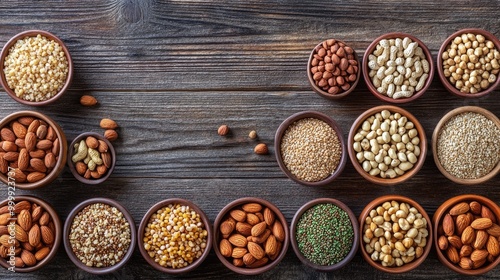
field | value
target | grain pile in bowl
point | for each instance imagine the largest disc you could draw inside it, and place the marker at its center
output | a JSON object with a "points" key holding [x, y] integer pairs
{"points": [[311, 149]]}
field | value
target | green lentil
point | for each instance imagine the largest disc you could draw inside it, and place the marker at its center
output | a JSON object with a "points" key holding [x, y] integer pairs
{"points": [[325, 234]]}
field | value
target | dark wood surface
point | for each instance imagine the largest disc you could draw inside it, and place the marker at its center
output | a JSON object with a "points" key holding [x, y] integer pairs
{"points": [[171, 72]]}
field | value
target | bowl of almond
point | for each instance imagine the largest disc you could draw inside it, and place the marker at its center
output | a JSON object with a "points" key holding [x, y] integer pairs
{"points": [[251, 236]]}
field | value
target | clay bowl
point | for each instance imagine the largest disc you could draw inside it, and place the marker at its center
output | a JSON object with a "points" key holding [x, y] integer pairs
{"points": [[444, 80], [342, 93], [224, 215], [438, 229], [279, 156], [366, 69], [61, 151], [145, 220], [71, 164], [377, 179], [366, 213], [49, 36], [435, 136], [67, 230], [293, 232], [55, 227]]}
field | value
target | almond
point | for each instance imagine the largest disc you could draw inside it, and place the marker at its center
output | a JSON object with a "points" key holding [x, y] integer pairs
{"points": [[88, 174], [28, 258], [452, 254], [33, 126], [4, 230], [278, 231], [37, 213], [21, 234], [468, 235], [481, 239], [24, 220], [41, 133], [455, 241], [278, 250], [18, 262], [479, 263], [493, 246], [478, 255], [259, 229], [38, 165], [256, 251], [465, 251], [226, 227], [494, 230], [443, 243], [51, 134], [11, 156], [44, 144], [7, 135], [27, 246], [4, 240], [37, 154], [23, 161], [481, 223], [466, 263], [34, 235], [103, 147], [80, 168], [92, 142], [101, 169], [238, 262], [19, 130], [271, 245], [461, 223], [259, 263], [50, 160], [248, 259], [460, 208], [252, 219], [108, 124], [20, 143], [486, 213], [244, 228], [8, 146], [261, 238], [44, 219], [475, 207], [261, 149], [19, 176], [239, 252], [56, 147], [42, 253], [252, 207], [111, 135], [4, 164], [47, 235], [3, 251], [95, 174], [26, 120], [225, 248], [88, 100], [269, 216], [21, 205], [238, 240], [238, 215], [35, 176]]}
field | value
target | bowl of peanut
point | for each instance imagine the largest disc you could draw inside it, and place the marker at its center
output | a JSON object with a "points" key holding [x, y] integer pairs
{"points": [[33, 150], [251, 236], [467, 231], [468, 63], [37, 68]]}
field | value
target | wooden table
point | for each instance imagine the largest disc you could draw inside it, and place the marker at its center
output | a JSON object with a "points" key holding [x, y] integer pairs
{"points": [[171, 72]]}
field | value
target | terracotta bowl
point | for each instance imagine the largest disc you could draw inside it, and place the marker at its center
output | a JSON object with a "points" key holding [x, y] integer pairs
{"points": [[320, 90], [366, 69], [435, 135], [71, 164], [56, 225], [67, 230], [293, 232], [279, 156], [61, 151], [405, 267], [145, 220], [447, 84], [224, 215], [34, 33], [377, 179], [438, 229]]}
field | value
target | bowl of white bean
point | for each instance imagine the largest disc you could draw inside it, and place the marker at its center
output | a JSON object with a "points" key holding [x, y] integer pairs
{"points": [[397, 67], [387, 145]]}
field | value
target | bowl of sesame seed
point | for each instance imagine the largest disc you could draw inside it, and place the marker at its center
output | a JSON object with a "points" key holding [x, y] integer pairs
{"points": [[466, 145], [310, 148], [37, 67]]}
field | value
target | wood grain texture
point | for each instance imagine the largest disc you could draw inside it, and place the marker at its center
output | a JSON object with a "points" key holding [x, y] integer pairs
{"points": [[171, 72]]}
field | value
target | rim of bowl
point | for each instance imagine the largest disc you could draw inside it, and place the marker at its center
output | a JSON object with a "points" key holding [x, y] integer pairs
{"points": [[423, 145], [145, 220], [489, 115], [58, 233], [366, 71], [320, 91], [67, 228], [5, 52], [438, 216], [439, 62], [71, 165], [399, 198], [355, 226], [224, 212], [302, 115], [63, 147]]}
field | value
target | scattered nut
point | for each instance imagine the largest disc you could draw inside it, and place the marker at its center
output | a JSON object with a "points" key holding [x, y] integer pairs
{"points": [[88, 100], [223, 130], [252, 134], [261, 149]]}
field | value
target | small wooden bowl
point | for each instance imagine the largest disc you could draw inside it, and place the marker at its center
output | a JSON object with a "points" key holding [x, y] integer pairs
{"points": [[281, 131], [447, 84], [437, 221], [224, 213], [355, 226], [34, 33], [63, 151], [435, 135], [319, 90], [145, 221], [67, 230], [408, 174], [57, 234], [406, 267], [366, 70]]}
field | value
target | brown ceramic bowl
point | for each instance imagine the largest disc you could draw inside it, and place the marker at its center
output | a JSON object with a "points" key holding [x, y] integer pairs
{"points": [[366, 69], [224, 215], [71, 164], [447, 84], [61, 151], [437, 131], [366, 213], [34, 33], [355, 227], [67, 230], [437, 220], [422, 145], [279, 156], [145, 220], [320, 90], [57, 230]]}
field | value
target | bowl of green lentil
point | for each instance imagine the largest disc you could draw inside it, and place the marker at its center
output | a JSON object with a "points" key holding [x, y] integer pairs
{"points": [[175, 236], [310, 148], [99, 235], [325, 234], [466, 145]]}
